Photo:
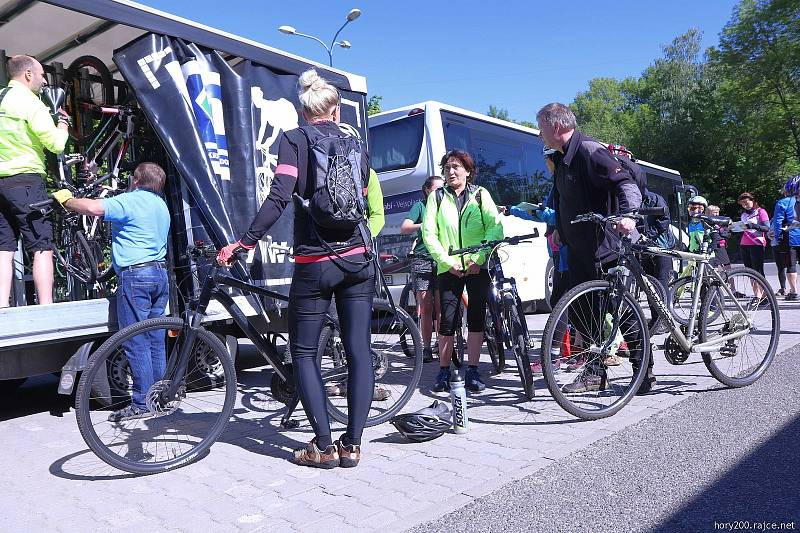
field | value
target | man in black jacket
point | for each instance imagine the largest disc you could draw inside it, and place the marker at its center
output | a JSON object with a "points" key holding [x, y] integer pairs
{"points": [[587, 179]]}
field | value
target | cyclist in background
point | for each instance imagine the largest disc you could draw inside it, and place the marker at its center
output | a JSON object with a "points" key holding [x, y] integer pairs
{"points": [[786, 239], [721, 253], [423, 268], [756, 225], [26, 130], [460, 214]]}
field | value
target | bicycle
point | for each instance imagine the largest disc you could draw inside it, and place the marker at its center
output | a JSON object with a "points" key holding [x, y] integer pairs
{"points": [[190, 405], [80, 241], [510, 329], [608, 376]]}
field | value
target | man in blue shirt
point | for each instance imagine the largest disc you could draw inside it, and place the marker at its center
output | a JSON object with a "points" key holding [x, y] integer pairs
{"points": [[139, 225]]}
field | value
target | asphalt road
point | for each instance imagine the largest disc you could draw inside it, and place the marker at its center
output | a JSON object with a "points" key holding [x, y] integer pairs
{"points": [[724, 456]]}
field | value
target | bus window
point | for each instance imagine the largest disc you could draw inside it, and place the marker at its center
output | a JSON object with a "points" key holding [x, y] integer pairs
{"points": [[499, 169], [456, 137], [540, 181], [397, 144]]}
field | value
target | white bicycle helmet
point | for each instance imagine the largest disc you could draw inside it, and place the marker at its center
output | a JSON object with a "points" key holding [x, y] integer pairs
{"points": [[699, 200], [426, 424]]}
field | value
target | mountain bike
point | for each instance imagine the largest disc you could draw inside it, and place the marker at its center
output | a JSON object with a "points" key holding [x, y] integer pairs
{"points": [[509, 327], [737, 331], [189, 406]]}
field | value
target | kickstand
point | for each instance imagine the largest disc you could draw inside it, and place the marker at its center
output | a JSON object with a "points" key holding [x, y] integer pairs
{"points": [[286, 421]]}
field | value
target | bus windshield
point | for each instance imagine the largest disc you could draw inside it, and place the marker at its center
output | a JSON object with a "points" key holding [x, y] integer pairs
{"points": [[397, 144]]}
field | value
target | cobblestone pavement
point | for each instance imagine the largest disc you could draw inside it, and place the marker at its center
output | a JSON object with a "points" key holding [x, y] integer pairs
{"points": [[246, 483]]}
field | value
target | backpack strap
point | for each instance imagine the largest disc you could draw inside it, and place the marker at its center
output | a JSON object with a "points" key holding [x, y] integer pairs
{"points": [[478, 197], [3, 93]]}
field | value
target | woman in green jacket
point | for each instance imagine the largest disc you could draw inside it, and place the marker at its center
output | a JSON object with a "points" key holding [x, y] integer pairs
{"points": [[460, 214]]}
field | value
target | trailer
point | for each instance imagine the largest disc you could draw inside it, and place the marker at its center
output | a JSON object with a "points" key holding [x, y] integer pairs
{"points": [[217, 104]]}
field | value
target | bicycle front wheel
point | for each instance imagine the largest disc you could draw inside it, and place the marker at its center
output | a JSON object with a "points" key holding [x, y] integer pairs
{"points": [[164, 436], [740, 361], [396, 375], [583, 382], [519, 344]]}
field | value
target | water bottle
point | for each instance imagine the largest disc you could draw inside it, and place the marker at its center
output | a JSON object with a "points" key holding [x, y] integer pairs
{"points": [[458, 395]]}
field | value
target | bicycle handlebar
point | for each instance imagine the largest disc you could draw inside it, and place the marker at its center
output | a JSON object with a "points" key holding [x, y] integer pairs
{"points": [[491, 244], [209, 251]]}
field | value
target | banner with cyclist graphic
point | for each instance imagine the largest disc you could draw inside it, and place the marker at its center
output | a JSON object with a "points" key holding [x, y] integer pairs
{"points": [[221, 127]]}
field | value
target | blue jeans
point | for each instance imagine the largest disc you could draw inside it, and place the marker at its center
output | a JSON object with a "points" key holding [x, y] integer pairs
{"points": [[143, 293]]}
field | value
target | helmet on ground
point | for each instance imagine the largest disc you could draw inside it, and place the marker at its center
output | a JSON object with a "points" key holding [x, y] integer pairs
{"points": [[792, 186], [699, 200], [425, 424], [619, 149]]}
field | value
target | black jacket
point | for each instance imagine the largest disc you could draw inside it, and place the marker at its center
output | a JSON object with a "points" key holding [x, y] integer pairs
{"points": [[589, 179]]}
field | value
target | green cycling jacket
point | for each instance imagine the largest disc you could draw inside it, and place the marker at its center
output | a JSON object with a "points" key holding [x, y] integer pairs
{"points": [[445, 227], [26, 130]]}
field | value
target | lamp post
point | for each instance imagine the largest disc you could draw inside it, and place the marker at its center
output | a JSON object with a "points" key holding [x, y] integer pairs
{"points": [[351, 16]]}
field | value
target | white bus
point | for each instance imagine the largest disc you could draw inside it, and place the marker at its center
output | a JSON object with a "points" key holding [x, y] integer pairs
{"points": [[407, 144]]}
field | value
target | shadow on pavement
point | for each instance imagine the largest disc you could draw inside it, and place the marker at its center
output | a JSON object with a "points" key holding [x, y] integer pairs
{"points": [[38, 394], [761, 487]]}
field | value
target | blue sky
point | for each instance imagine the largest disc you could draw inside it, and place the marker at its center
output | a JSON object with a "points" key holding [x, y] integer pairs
{"points": [[517, 55]]}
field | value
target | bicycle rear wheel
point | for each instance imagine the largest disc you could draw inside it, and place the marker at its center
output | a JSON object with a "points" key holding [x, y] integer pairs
{"points": [[167, 436], [519, 343], [88, 84], [741, 361], [396, 375], [591, 387]]}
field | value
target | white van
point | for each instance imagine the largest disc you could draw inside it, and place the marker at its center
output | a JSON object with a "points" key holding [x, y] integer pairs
{"points": [[407, 144]]}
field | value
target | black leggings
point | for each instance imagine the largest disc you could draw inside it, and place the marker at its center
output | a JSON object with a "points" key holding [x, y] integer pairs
{"points": [[313, 285], [450, 289], [753, 257]]}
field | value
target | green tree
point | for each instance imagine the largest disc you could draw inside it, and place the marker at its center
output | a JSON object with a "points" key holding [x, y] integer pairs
{"points": [[496, 112], [374, 104], [604, 111]]}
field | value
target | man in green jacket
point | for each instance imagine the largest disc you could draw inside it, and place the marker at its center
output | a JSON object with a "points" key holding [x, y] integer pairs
{"points": [[26, 130]]}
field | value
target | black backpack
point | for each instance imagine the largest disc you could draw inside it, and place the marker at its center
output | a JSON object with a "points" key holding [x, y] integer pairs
{"points": [[639, 175], [338, 199]]}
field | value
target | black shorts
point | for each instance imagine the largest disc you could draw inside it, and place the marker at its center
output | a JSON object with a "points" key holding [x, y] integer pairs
{"points": [[450, 289], [786, 259], [423, 274], [16, 218]]}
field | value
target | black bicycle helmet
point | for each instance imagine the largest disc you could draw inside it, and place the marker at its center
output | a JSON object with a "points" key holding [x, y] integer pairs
{"points": [[426, 424]]}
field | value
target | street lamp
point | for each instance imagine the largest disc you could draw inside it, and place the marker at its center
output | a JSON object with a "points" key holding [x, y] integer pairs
{"points": [[351, 16]]}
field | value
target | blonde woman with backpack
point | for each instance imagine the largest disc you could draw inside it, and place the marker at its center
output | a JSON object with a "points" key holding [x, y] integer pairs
{"points": [[332, 258]]}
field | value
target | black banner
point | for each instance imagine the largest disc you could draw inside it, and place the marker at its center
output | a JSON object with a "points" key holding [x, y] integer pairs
{"points": [[221, 127]]}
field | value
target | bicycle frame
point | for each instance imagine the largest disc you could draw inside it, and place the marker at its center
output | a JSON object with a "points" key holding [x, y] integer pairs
{"points": [[629, 264], [212, 287], [502, 287]]}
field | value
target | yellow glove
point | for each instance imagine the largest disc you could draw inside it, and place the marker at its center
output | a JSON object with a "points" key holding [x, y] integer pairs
{"points": [[62, 196]]}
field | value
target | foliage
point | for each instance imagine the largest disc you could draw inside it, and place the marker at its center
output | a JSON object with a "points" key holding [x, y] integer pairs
{"points": [[374, 104], [727, 118]]}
